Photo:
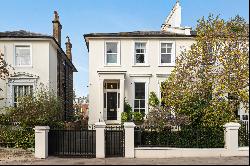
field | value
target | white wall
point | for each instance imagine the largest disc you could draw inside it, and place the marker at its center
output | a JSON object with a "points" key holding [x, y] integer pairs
{"points": [[52, 68], [188, 152], [96, 63], [43, 61]]}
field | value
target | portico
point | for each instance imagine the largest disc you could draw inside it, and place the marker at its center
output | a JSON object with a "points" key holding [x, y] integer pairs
{"points": [[111, 90]]}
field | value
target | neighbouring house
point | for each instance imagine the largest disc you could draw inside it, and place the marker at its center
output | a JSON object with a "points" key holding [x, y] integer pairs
{"points": [[130, 65], [81, 106], [37, 59]]}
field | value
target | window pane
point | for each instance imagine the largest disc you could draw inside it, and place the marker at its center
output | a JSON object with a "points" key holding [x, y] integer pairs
{"points": [[140, 58], [244, 117], [118, 100], [26, 90], [139, 90], [136, 110], [140, 45], [22, 90], [111, 47], [142, 111], [15, 93], [104, 98], [136, 105], [169, 50], [165, 58], [163, 45], [169, 45], [163, 50], [23, 55], [111, 58], [138, 51], [112, 86], [26, 60], [142, 104]]}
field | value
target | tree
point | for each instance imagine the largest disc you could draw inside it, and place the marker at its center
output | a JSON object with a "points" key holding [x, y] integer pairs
{"points": [[4, 69], [207, 76], [43, 108]]}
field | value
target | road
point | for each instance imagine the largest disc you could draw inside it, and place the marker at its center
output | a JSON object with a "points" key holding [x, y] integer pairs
{"points": [[123, 161]]}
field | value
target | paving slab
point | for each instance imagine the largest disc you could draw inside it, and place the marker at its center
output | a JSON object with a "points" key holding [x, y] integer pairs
{"points": [[123, 161]]}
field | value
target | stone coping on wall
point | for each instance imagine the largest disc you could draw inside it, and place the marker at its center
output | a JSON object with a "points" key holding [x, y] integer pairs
{"points": [[166, 152]]}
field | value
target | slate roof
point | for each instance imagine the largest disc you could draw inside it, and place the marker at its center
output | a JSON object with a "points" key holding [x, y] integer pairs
{"points": [[23, 34], [137, 34], [140, 34]]}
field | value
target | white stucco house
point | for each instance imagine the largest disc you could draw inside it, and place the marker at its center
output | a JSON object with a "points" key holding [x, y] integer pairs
{"points": [[130, 65], [36, 59]]}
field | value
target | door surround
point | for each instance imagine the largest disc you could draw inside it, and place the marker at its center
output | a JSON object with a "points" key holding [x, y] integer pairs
{"points": [[105, 94]]}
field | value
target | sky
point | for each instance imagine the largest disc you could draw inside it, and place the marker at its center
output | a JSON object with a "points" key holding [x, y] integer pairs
{"points": [[79, 17]]}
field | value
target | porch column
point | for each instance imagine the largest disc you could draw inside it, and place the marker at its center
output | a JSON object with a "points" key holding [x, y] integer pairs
{"points": [[100, 111], [121, 99]]}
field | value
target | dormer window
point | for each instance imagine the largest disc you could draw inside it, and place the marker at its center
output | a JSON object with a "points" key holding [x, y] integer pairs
{"points": [[22, 55], [112, 53]]}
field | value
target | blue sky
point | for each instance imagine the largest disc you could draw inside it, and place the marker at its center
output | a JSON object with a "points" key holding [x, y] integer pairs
{"points": [[79, 17]]}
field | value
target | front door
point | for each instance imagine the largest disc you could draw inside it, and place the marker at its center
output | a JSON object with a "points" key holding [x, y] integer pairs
{"points": [[111, 105]]}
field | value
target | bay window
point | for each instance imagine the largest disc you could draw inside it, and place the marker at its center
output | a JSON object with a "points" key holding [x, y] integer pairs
{"points": [[21, 91]]}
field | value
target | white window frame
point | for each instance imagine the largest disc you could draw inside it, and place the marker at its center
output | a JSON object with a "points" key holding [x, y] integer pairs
{"points": [[145, 54], [23, 84], [118, 54], [173, 56], [19, 80], [24, 45], [146, 94]]}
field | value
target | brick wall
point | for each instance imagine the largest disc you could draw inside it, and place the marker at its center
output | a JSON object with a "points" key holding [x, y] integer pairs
{"points": [[65, 86]]}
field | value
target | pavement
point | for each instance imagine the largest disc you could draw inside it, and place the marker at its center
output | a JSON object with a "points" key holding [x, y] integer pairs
{"points": [[123, 161]]}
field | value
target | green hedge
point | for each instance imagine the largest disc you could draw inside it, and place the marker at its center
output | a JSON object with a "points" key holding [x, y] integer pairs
{"points": [[17, 137], [187, 137]]}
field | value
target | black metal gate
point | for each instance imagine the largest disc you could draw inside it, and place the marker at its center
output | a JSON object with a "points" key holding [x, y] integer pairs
{"points": [[72, 143], [114, 141]]}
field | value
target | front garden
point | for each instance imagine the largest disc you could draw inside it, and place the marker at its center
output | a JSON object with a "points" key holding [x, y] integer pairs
{"points": [[207, 89]]}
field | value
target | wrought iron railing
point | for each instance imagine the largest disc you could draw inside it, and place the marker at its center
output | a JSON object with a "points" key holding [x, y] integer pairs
{"points": [[244, 134], [114, 141], [72, 143], [184, 137]]}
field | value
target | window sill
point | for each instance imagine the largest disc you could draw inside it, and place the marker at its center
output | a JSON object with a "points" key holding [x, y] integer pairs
{"points": [[144, 65], [23, 66], [112, 66], [169, 65]]}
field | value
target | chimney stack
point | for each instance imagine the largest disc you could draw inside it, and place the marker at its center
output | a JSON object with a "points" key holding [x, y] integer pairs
{"points": [[57, 27], [68, 49]]}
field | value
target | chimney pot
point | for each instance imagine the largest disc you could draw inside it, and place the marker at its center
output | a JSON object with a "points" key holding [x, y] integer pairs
{"points": [[68, 48], [57, 28]]}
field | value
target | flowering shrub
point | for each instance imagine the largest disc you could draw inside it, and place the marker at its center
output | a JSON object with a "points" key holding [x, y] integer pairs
{"points": [[41, 109]]}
